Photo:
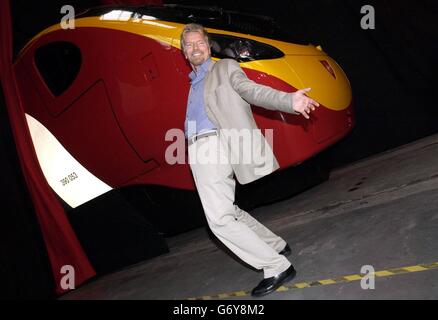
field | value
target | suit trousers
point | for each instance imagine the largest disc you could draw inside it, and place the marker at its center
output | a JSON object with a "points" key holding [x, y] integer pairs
{"points": [[246, 237]]}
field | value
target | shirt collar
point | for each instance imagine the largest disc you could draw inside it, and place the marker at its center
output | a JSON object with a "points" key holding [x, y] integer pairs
{"points": [[202, 70]]}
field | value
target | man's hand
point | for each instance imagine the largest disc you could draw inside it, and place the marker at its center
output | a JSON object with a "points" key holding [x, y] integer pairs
{"points": [[303, 104]]}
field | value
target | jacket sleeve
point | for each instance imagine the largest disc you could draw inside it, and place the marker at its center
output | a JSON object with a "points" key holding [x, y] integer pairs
{"points": [[257, 94]]}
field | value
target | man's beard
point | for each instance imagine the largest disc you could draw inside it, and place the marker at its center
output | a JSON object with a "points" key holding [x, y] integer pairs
{"points": [[198, 60]]}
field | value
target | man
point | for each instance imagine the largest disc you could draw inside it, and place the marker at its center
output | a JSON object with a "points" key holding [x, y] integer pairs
{"points": [[219, 101]]}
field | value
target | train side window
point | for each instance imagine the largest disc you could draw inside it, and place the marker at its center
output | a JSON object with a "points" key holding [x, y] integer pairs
{"points": [[59, 64]]}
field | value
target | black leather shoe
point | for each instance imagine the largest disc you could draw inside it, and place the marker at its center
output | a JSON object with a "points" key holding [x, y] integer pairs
{"points": [[286, 251], [269, 285]]}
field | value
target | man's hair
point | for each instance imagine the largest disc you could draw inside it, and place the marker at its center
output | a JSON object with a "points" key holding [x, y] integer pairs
{"points": [[194, 27]]}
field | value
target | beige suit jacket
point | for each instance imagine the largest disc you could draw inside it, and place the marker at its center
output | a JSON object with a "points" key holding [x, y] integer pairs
{"points": [[228, 94]]}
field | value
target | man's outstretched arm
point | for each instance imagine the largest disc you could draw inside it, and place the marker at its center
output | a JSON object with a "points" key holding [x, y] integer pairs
{"points": [[267, 97]]}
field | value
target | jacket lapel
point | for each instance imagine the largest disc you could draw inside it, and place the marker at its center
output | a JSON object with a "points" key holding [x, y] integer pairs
{"points": [[207, 82], [207, 91]]}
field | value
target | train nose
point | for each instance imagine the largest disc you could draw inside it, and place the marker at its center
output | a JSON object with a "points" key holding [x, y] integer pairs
{"points": [[330, 85]]}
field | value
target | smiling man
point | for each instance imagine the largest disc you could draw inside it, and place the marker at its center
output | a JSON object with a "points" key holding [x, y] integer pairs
{"points": [[218, 102]]}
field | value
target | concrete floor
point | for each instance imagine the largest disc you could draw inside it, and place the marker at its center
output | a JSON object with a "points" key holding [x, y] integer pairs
{"points": [[382, 211]]}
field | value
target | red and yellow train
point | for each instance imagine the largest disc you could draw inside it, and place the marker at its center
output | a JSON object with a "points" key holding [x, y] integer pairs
{"points": [[100, 98]]}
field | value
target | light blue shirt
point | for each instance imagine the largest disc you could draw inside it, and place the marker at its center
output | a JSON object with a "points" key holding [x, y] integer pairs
{"points": [[196, 105]]}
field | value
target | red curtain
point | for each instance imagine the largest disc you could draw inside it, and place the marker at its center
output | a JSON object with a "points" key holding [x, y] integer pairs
{"points": [[62, 245]]}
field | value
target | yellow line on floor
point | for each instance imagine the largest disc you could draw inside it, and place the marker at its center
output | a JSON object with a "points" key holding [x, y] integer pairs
{"points": [[343, 279]]}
